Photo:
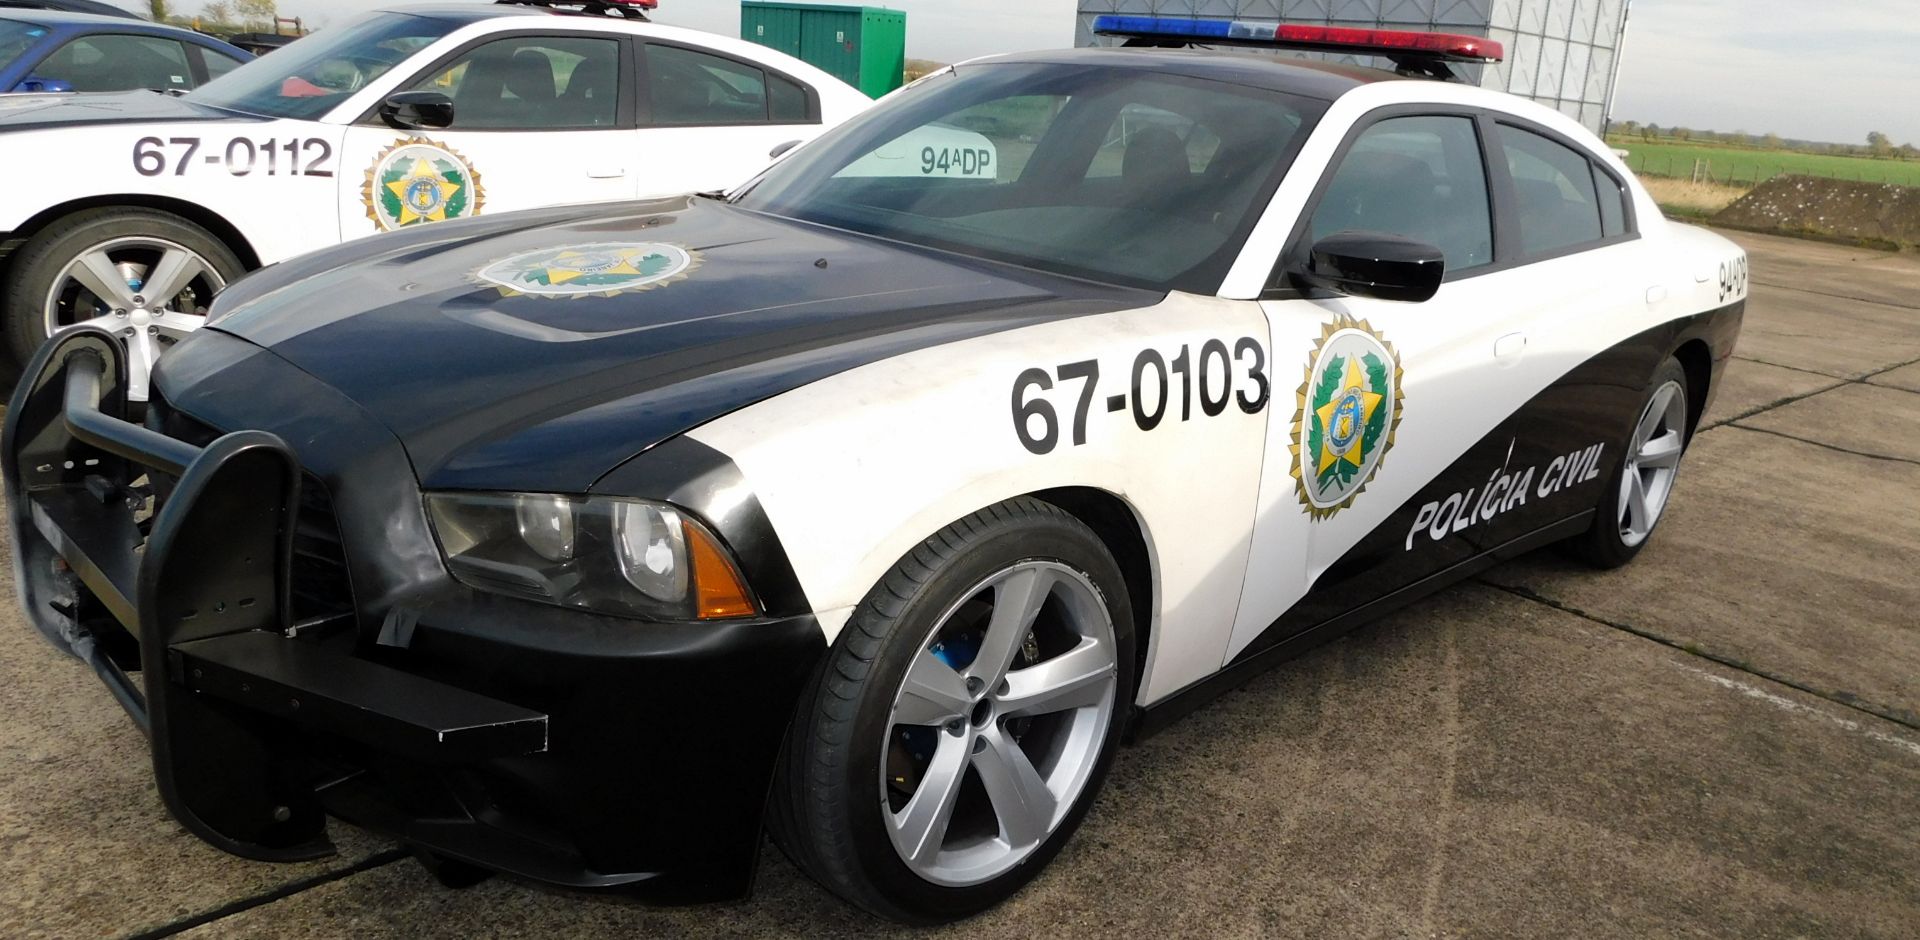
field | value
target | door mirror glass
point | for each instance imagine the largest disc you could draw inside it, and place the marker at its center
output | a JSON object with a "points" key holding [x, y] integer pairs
{"points": [[416, 110], [1375, 264]]}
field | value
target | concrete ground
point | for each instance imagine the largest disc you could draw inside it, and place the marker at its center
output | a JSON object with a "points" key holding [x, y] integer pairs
{"points": [[1722, 739]]}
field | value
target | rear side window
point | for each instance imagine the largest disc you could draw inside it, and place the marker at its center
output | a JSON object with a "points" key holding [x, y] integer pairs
{"points": [[218, 63], [119, 63], [1559, 206], [1613, 203], [688, 87], [1418, 177], [786, 101]]}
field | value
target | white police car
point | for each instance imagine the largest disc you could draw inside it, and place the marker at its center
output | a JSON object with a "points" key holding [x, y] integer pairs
{"points": [[874, 503], [130, 211]]}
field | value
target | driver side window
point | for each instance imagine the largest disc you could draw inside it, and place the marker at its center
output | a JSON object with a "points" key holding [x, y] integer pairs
{"points": [[1419, 177], [533, 83]]}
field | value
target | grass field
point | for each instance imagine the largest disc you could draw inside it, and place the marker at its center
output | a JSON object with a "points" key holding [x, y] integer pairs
{"points": [[1746, 166]]}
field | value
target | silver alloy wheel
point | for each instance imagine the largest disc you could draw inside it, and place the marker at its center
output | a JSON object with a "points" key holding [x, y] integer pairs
{"points": [[1653, 460], [1012, 734], [150, 292]]}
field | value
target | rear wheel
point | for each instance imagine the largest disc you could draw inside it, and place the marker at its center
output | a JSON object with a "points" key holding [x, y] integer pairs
{"points": [[143, 275], [965, 718], [1639, 490]]}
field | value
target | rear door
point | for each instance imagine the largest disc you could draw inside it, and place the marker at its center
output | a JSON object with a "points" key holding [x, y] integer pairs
{"points": [[1581, 288], [711, 121], [1390, 400], [540, 118]]}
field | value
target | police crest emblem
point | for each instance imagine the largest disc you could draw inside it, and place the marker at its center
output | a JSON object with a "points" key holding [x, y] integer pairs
{"points": [[419, 180], [601, 269], [1350, 405]]}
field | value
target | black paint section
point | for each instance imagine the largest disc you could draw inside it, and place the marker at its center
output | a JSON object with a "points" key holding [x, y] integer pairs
{"points": [[489, 391], [661, 737], [1595, 403], [1157, 717], [698, 478]]}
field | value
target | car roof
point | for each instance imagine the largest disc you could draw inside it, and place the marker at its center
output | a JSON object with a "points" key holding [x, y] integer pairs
{"points": [[1313, 79], [62, 18], [465, 12], [71, 6]]}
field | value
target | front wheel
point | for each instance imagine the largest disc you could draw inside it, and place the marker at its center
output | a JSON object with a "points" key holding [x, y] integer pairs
{"points": [[1639, 490], [143, 275], [965, 717]]}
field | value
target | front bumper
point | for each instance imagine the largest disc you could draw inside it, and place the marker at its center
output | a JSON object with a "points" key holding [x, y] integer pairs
{"points": [[556, 745]]}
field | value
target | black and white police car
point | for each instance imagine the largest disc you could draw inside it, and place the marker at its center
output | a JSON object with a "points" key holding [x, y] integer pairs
{"points": [[555, 543], [129, 212]]}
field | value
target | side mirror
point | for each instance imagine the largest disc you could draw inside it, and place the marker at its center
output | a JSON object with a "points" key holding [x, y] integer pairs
{"points": [[415, 110], [775, 153], [34, 83], [1374, 264]]}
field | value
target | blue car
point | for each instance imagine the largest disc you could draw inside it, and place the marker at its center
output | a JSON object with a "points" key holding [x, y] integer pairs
{"points": [[46, 51]]}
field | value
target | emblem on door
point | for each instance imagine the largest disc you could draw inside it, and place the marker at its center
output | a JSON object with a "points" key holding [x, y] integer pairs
{"points": [[419, 180], [1350, 405]]}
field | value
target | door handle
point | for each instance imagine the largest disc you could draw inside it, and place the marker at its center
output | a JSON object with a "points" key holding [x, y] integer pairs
{"points": [[606, 172], [1508, 349]]}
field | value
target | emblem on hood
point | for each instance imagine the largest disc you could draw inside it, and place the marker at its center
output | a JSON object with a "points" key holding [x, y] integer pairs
{"points": [[1349, 409], [601, 269], [419, 180]]}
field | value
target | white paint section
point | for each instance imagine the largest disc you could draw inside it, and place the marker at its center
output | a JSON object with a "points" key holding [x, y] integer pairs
{"points": [[857, 469], [264, 178], [1789, 705]]}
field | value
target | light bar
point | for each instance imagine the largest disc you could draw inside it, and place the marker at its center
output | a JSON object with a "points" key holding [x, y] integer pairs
{"points": [[1450, 47]]}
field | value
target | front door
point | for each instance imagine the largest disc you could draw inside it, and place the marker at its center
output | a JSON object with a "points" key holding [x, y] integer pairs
{"points": [[538, 120], [1390, 396]]}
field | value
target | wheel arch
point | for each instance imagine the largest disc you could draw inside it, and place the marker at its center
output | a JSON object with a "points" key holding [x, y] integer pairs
{"points": [[208, 219], [1696, 360], [1121, 529]]}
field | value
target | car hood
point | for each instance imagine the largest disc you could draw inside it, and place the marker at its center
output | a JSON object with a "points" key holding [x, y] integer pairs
{"points": [[539, 350], [41, 111]]}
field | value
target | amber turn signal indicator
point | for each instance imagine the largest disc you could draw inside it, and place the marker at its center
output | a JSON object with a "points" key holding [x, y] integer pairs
{"points": [[719, 592]]}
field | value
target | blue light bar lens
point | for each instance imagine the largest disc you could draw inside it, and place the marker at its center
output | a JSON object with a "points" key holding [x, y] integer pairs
{"points": [[1159, 26]]}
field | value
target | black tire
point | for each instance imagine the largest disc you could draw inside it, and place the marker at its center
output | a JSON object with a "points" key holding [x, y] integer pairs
{"points": [[1605, 545], [41, 259], [824, 813]]}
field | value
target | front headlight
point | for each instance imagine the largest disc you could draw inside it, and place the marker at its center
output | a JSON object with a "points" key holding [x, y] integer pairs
{"points": [[610, 554]]}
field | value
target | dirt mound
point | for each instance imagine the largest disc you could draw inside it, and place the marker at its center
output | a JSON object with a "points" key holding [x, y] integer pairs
{"points": [[1874, 213]]}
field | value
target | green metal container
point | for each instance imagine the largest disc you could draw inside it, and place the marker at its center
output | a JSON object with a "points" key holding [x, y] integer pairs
{"points": [[866, 47]]}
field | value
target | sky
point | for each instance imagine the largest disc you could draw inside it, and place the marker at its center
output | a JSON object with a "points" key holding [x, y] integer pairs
{"points": [[1828, 70]]}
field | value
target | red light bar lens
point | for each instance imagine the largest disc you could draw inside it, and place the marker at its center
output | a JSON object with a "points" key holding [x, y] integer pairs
{"points": [[1447, 44]]}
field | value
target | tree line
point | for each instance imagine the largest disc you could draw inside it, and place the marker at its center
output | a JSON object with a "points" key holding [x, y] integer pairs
{"points": [[221, 16], [1878, 145]]}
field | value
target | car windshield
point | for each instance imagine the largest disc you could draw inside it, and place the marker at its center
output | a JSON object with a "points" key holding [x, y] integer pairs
{"points": [[1123, 175], [311, 76], [15, 38]]}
